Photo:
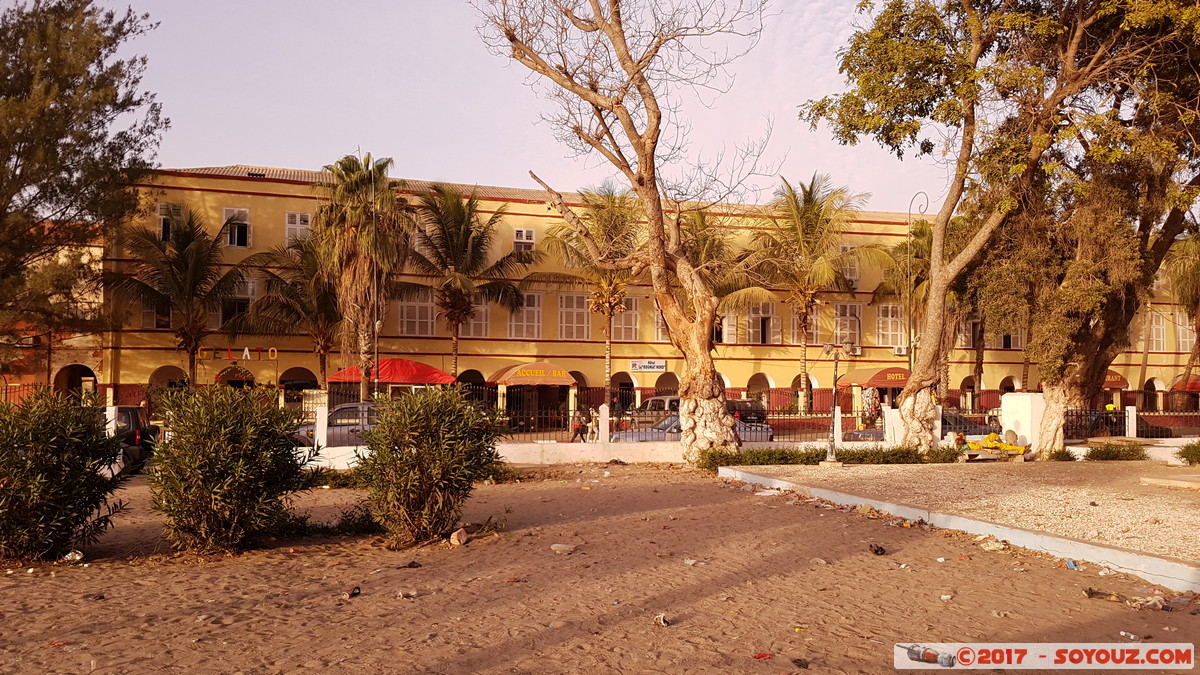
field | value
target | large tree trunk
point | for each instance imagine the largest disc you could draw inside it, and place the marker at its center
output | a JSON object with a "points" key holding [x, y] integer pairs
{"points": [[917, 408], [704, 422], [608, 395], [192, 366], [454, 349], [804, 387], [322, 365], [365, 363], [1059, 397]]}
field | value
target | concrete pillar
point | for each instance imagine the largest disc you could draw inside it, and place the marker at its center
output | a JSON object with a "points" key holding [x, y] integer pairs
{"points": [[110, 420], [321, 427], [937, 427], [502, 397], [573, 398], [603, 429], [837, 426], [1131, 421]]}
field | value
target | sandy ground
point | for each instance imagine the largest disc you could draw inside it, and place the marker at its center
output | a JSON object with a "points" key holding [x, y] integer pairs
{"points": [[771, 576], [1103, 502]]}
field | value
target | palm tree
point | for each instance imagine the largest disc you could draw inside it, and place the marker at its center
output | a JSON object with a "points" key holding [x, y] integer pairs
{"points": [[803, 252], [1182, 271], [452, 248], [183, 276], [613, 219], [362, 233], [296, 296]]}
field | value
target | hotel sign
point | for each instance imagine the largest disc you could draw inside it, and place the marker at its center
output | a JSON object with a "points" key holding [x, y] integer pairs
{"points": [[648, 365]]}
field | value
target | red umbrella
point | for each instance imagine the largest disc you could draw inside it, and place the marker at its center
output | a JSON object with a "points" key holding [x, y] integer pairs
{"points": [[397, 371]]}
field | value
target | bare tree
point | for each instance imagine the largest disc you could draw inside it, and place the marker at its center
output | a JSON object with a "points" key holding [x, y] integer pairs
{"points": [[615, 70]]}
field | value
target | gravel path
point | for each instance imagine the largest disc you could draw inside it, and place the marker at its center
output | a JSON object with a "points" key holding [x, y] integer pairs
{"points": [[1101, 502]]}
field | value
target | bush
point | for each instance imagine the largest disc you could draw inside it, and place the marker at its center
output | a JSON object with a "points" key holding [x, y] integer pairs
{"points": [[712, 459], [900, 455], [426, 451], [1061, 455], [1190, 453], [53, 492], [1127, 452], [228, 468], [944, 454]]}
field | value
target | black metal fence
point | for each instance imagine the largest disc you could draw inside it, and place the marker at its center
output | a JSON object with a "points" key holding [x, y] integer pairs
{"points": [[1085, 424]]}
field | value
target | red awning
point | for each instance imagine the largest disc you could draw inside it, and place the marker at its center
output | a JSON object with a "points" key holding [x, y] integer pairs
{"points": [[398, 371], [883, 378], [541, 372], [1115, 380], [1192, 384]]}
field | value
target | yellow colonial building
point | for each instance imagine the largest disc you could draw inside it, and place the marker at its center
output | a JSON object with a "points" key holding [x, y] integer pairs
{"points": [[756, 354]]}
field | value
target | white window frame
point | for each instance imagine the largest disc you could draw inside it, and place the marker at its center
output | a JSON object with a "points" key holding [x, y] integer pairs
{"points": [[524, 239], [296, 224], [242, 221], [246, 290], [150, 317], [167, 213], [889, 325], [729, 330], [849, 266], [574, 319], [814, 327], [418, 317], [1185, 333], [763, 317], [847, 323], [477, 325], [661, 334], [625, 324], [526, 323], [1156, 339]]}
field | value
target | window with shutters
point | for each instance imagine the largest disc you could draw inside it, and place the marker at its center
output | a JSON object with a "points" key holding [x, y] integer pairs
{"points": [[297, 224], [243, 295], [847, 323], [526, 323], [889, 326], [523, 239], [661, 334], [238, 227], [1008, 340], [625, 324], [814, 335], [1185, 333], [1158, 333], [725, 330], [762, 326], [417, 316], [156, 317], [849, 264], [477, 325], [167, 214], [573, 317]]}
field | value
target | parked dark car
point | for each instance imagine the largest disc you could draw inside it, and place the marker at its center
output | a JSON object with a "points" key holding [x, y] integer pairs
{"points": [[667, 429], [137, 435], [750, 412], [347, 422]]}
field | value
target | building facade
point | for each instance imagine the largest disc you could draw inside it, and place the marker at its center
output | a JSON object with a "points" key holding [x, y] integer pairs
{"points": [[757, 353]]}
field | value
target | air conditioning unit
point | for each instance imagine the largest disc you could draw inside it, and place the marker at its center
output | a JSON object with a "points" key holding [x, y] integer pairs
{"points": [[899, 351], [854, 351]]}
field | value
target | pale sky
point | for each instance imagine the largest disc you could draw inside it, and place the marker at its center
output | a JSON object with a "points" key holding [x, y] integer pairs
{"points": [[299, 83]]}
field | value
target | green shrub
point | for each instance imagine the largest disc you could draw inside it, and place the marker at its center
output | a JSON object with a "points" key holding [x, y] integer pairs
{"points": [[228, 468], [425, 453], [712, 459], [1127, 452], [899, 455], [53, 491], [944, 454], [1190, 453], [1061, 455]]}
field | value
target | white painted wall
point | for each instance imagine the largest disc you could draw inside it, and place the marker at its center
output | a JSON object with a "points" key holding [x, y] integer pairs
{"points": [[1022, 413]]}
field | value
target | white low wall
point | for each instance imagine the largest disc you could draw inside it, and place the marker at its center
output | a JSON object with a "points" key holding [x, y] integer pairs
{"points": [[339, 457], [566, 453]]}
